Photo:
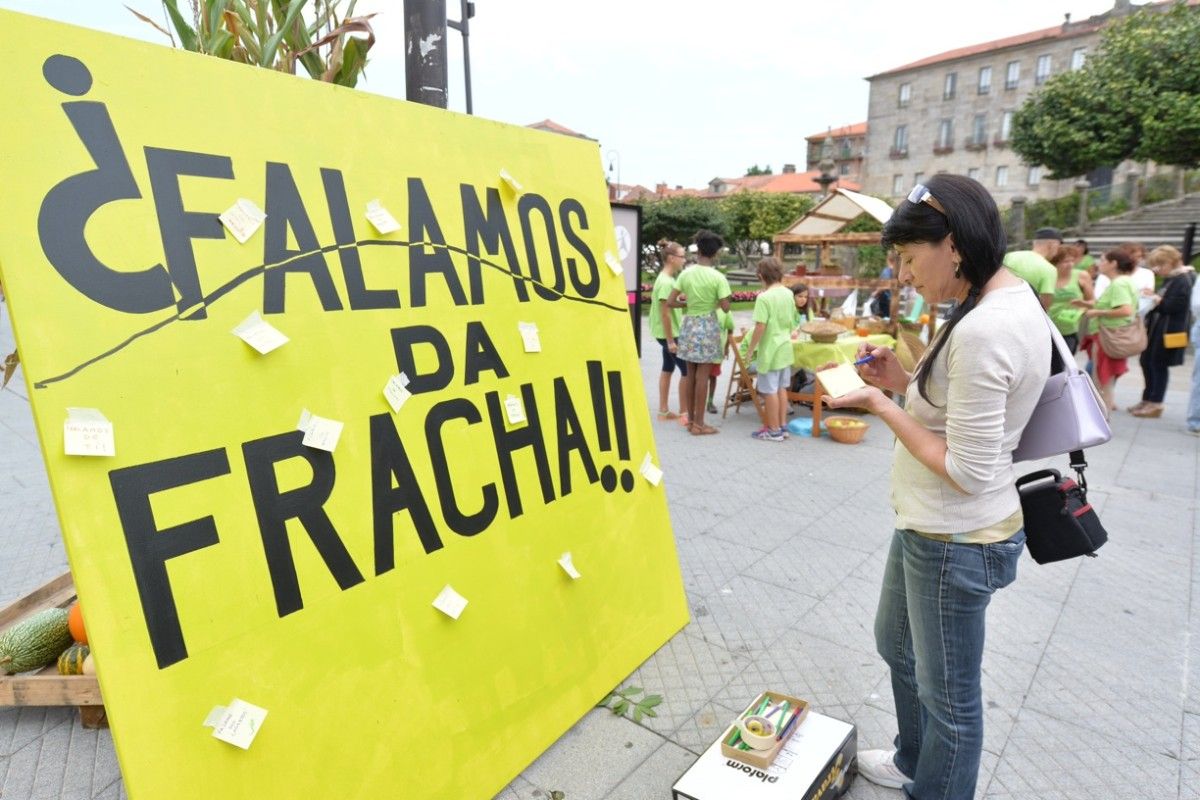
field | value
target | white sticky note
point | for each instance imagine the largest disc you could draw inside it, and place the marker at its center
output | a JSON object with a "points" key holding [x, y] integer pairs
{"points": [[511, 182], [840, 380], [650, 472], [87, 432], [396, 391], [568, 566], [242, 219], [319, 432], [240, 723], [259, 334], [450, 602], [516, 411], [529, 335], [380, 218], [613, 262]]}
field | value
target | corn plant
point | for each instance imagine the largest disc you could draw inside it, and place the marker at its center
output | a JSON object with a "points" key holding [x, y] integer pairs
{"points": [[275, 34]]}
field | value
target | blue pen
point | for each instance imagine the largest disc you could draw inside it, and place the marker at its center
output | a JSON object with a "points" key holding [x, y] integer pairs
{"points": [[864, 360]]}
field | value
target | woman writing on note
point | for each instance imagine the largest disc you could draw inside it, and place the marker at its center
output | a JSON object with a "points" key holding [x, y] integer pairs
{"points": [[958, 525]]}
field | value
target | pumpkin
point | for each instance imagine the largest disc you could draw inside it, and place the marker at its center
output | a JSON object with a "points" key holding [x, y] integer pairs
{"points": [[35, 641], [89, 665], [75, 623], [71, 660]]}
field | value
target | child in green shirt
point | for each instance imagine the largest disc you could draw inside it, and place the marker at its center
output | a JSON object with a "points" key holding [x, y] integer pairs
{"points": [[664, 326], [774, 315]]}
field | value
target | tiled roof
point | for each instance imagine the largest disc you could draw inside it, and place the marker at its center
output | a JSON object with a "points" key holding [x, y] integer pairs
{"points": [[1065, 31], [857, 129], [553, 127], [788, 183]]}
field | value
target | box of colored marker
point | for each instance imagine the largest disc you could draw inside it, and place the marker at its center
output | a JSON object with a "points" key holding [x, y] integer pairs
{"points": [[784, 714]]}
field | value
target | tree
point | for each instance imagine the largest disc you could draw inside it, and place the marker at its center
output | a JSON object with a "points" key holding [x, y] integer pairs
{"points": [[1137, 97], [275, 34], [756, 170], [755, 217], [678, 219]]}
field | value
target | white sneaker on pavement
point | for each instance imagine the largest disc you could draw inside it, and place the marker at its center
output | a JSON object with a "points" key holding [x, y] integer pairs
{"points": [[879, 767]]}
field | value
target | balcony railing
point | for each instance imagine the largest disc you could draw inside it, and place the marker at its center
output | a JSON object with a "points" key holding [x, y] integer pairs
{"points": [[975, 143], [1000, 141], [942, 149], [898, 152]]}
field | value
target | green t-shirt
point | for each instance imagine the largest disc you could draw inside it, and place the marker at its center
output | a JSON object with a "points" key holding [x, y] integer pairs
{"points": [[776, 309], [1033, 269], [704, 286], [1084, 263], [725, 325], [1066, 316], [1121, 292], [664, 284]]}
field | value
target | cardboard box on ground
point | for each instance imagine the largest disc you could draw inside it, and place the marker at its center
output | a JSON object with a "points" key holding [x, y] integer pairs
{"points": [[814, 765]]}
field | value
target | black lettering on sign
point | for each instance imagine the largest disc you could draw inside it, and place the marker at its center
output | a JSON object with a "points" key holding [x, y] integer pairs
{"points": [[151, 548], [568, 209], [465, 524], [570, 438], [526, 206], [343, 231], [274, 508], [509, 442], [404, 342], [492, 232], [481, 355], [66, 208], [390, 463], [286, 210], [424, 260]]}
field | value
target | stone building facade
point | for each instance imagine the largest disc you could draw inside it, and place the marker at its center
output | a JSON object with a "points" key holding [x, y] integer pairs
{"points": [[952, 112], [847, 148]]}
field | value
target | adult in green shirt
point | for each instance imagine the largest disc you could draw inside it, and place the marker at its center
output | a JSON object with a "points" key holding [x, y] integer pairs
{"points": [[1086, 259], [699, 291], [664, 324], [1117, 306], [774, 314], [1034, 267], [1070, 286]]}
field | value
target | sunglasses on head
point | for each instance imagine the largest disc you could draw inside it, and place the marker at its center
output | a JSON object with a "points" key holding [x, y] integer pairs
{"points": [[921, 194]]}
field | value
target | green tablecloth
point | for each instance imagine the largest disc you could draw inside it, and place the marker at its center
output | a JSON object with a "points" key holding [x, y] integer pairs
{"points": [[810, 355]]}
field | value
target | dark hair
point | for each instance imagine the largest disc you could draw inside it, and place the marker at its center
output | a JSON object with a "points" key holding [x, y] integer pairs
{"points": [[708, 243], [1082, 244], [1134, 249], [974, 221], [1066, 252], [770, 269], [1123, 259], [799, 288]]}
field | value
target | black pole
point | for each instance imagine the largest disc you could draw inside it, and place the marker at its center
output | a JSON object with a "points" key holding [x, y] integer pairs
{"points": [[425, 73], [463, 26], [1189, 240]]}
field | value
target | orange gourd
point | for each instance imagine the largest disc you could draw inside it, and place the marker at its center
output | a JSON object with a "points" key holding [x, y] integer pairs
{"points": [[75, 623]]}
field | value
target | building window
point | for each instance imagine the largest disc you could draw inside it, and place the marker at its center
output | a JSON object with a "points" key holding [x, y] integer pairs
{"points": [[1078, 56], [918, 177], [1001, 176], [985, 80], [950, 85], [1012, 75], [897, 185], [1035, 176], [900, 143], [979, 129], [843, 169], [973, 173], [846, 152], [1043, 70], [1006, 126], [945, 140], [905, 93]]}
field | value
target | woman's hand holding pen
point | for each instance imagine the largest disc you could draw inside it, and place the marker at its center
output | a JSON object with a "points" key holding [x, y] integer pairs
{"points": [[879, 366]]}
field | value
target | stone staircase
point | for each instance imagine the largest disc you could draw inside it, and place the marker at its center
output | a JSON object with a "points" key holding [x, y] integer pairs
{"points": [[1160, 223]]}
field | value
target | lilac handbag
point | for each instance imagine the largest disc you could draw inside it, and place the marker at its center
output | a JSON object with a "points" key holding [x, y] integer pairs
{"points": [[1070, 414]]}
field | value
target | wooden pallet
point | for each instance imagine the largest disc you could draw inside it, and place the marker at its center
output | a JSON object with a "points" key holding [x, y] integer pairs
{"points": [[46, 687]]}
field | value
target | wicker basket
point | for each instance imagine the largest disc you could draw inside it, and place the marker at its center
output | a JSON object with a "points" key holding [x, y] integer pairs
{"points": [[823, 332], [847, 430]]}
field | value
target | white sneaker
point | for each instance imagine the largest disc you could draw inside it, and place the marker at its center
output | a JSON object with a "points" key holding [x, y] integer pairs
{"points": [[879, 767]]}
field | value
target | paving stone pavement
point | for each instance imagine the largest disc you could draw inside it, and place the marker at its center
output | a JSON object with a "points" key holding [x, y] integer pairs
{"points": [[1091, 675]]}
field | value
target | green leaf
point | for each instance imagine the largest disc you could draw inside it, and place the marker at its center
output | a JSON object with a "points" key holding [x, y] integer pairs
{"points": [[354, 62], [620, 708], [271, 46], [630, 691], [187, 35], [637, 714]]}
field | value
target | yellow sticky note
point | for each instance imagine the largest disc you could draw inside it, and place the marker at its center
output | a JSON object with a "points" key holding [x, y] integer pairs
{"points": [[840, 380]]}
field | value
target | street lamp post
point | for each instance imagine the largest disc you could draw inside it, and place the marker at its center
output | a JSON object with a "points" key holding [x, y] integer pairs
{"points": [[614, 156]]}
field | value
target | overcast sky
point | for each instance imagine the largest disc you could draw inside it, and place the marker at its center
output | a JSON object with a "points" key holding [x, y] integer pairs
{"points": [[677, 91]]}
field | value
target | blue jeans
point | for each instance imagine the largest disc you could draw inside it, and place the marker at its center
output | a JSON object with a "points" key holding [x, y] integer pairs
{"points": [[929, 630], [1193, 417]]}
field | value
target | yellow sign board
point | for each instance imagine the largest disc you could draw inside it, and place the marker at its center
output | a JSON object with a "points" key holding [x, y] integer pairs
{"points": [[273, 527]]}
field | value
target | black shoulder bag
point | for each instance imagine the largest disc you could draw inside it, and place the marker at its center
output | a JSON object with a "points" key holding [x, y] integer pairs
{"points": [[1060, 523]]}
